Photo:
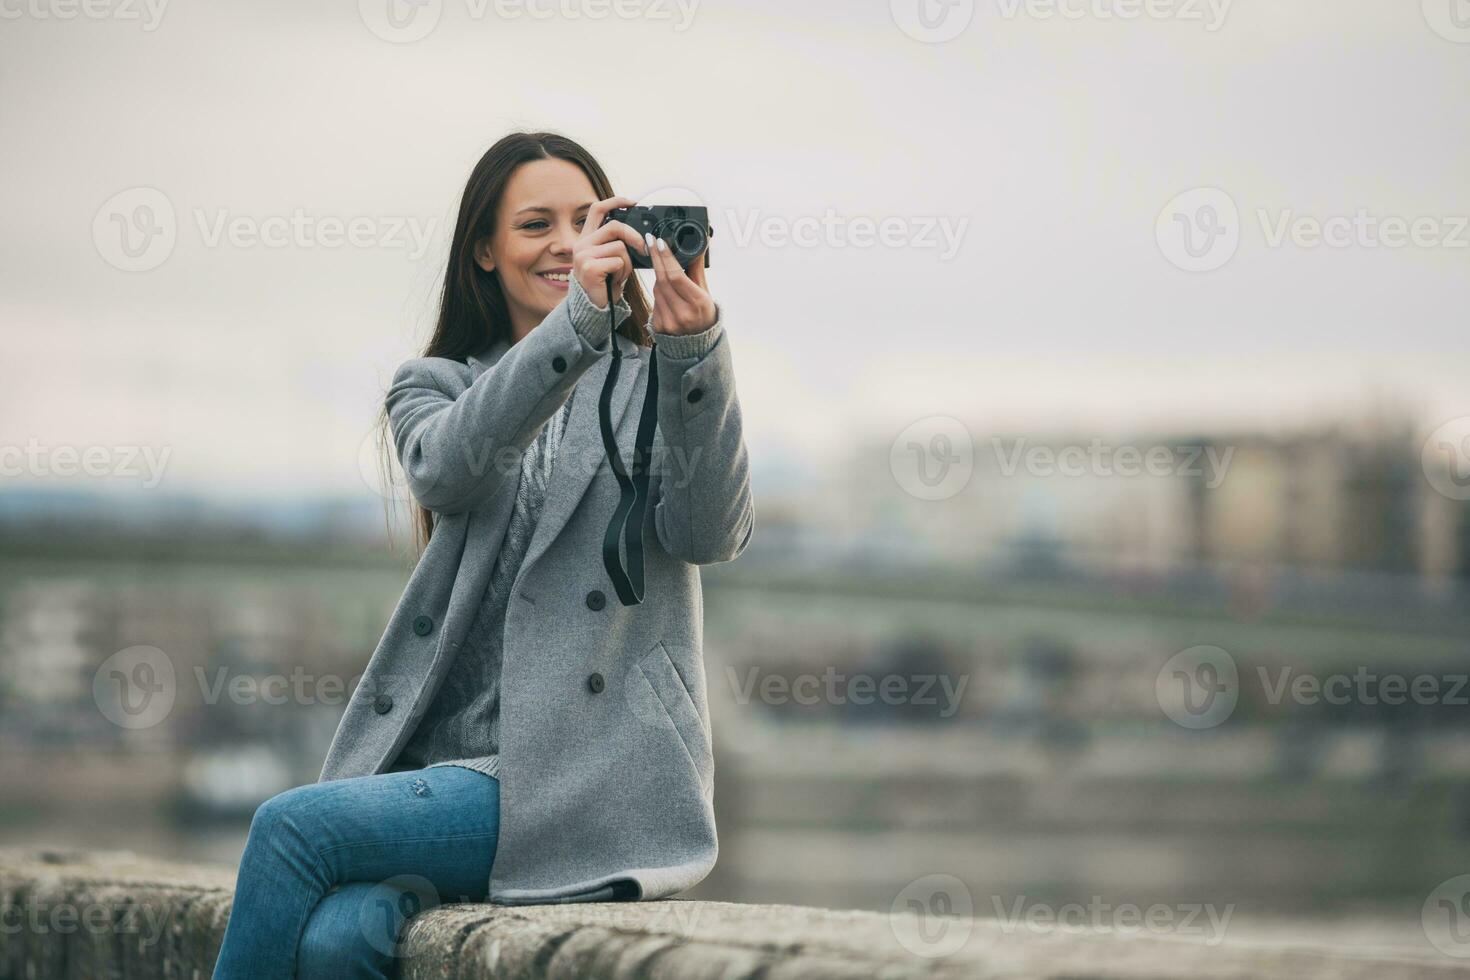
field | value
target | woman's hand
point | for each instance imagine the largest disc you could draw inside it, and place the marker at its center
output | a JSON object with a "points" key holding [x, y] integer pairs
{"points": [[602, 251], [681, 301]]}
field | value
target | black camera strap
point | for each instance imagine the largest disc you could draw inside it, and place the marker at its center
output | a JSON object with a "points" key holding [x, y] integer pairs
{"points": [[627, 521]]}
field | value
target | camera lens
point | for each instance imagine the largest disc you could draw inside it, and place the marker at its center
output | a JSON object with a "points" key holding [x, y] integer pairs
{"points": [[689, 238]]}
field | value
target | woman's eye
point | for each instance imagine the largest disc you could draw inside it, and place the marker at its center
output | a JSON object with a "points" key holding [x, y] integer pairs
{"points": [[534, 226]]}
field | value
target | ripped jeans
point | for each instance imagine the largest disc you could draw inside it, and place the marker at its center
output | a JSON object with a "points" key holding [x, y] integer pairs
{"points": [[332, 870]]}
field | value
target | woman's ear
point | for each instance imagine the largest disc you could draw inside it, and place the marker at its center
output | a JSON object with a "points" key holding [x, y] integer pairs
{"points": [[483, 258]]}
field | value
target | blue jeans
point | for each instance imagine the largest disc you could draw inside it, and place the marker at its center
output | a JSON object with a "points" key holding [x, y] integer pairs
{"points": [[332, 870]]}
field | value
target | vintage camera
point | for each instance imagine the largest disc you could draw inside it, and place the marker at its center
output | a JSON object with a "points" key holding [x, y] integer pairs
{"points": [[685, 229]]}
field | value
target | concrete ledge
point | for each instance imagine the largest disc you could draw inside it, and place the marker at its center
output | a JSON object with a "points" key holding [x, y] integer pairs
{"points": [[82, 915]]}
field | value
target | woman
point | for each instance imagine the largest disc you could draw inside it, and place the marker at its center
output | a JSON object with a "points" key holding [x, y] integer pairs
{"points": [[519, 735]]}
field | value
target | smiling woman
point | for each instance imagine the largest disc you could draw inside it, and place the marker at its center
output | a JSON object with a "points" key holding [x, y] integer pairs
{"points": [[510, 706]]}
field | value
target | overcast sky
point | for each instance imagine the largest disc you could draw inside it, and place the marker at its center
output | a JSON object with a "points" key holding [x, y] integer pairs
{"points": [[1032, 269]]}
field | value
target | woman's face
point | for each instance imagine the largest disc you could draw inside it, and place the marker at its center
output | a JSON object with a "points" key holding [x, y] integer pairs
{"points": [[539, 217]]}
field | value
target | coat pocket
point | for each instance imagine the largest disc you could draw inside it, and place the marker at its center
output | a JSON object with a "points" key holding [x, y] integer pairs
{"points": [[668, 698]]}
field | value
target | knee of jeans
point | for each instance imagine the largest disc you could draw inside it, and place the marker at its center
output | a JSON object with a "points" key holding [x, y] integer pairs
{"points": [[270, 814]]}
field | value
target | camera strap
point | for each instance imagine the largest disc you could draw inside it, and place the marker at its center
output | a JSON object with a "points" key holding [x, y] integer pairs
{"points": [[627, 521]]}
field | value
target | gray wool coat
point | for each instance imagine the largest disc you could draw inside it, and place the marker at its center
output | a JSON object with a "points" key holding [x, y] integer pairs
{"points": [[606, 768]]}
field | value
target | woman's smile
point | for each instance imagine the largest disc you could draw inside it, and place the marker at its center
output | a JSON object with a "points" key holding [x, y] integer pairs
{"points": [[558, 278]]}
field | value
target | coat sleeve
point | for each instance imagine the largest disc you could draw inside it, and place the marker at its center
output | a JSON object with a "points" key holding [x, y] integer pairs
{"points": [[703, 511], [457, 447]]}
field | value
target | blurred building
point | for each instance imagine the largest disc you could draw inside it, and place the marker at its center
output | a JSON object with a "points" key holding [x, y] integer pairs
{"points": [[1334, 500]]}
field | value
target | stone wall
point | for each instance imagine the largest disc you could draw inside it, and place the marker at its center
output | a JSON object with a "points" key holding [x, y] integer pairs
{"points": [[81, 915]]}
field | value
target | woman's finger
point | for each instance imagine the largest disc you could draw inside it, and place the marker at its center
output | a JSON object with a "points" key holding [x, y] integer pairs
{"points": [[697, 273], [664, 294], [606, 250], [661, 296], [589, 267], [600, 267], [654, 258], [615, 257], [679, 281], [662, 316], [611, 232], [598, 212], [671, 274]]}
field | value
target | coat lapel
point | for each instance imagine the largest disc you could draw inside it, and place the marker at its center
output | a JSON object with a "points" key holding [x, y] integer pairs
{"points": [[580, 455]]}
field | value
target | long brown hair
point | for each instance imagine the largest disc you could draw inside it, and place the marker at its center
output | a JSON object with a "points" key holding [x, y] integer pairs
{"points": [[473, 313]]}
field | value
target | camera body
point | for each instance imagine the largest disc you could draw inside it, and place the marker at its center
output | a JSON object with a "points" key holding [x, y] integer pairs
{"points": [[685, 229]]}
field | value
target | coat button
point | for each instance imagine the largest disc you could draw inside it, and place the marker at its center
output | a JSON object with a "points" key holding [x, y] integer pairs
{"points": [[423, 626], [596, 682], [596, 600], [695, 394], [558, 364], [383, 703]]}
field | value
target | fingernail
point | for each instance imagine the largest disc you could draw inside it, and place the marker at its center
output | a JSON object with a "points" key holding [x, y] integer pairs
{"points": [[661, 246], [648, 237]]}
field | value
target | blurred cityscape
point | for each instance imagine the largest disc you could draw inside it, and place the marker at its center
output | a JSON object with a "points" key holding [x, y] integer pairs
{"points": [[973, 685]]}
